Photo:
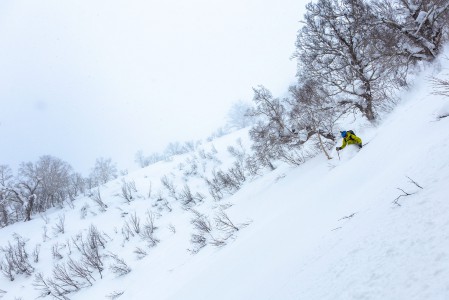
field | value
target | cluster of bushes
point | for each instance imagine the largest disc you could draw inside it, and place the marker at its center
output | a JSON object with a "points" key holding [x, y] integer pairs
{"points": [[216, 233], [78, 262], [78, 269]]}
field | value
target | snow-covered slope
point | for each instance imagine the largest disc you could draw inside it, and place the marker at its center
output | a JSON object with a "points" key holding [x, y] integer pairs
{"points": [[372, 225]]}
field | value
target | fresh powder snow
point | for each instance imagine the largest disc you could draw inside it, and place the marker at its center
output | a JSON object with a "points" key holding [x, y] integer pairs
{"points": [[370, 224]]}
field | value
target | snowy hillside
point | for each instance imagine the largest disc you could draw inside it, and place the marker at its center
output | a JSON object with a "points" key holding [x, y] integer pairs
{"points": [[370, 225]]}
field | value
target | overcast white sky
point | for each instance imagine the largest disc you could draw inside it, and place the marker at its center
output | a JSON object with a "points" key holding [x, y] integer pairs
{"points": [[82, 79]]}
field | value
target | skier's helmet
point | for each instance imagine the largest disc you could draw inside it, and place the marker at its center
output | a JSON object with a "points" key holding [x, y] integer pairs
{"points": [[343, 133]]}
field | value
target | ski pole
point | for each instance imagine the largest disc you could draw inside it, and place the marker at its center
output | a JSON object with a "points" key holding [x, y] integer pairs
{"points": [[338, 152]]}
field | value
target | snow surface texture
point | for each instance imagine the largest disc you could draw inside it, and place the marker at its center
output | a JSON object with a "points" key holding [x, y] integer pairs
{"points": [[344, 229]]}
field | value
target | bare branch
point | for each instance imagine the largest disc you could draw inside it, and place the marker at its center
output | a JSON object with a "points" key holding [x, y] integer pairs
{"points": [[80, 270], [348, 217], [128, 190], [135, 222], [55, 251], [414, 182], [114, 295], [96, 197], [405, 194], [119, 266], [60, 225], [140, 253]]}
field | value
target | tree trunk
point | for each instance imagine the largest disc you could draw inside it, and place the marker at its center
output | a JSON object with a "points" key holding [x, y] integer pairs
{"points": [[322, 146], [29, 207], [368, 111]]}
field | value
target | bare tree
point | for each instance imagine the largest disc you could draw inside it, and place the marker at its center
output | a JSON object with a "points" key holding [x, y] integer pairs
{"points": [[37, 187], [52, 176], [312, 114], [18, 194], [29, 206], [103, 171], [273, 136], [8, 205], [174, 149], [144, 161], [77, 184], [141, 160], [238, 116]]}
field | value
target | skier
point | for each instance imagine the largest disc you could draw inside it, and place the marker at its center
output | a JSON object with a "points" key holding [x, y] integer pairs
{"points": [[349, 138]]}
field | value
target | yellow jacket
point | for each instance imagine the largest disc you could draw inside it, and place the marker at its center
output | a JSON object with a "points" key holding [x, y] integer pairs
{"points": [[350, 139]]}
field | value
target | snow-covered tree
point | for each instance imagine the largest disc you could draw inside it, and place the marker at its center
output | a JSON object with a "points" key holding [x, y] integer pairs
{"points": [[339, 47], [312, 113], [418, 27], [7, 195], [175, 148], [47, 183], [54, 176], [273, 136], [238, 117], [103, 171]]}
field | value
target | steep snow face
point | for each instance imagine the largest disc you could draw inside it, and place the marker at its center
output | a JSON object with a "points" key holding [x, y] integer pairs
{"points": [[372, 225]]}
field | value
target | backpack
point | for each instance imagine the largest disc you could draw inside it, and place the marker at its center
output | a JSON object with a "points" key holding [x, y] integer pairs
{"points": [[351, 132]]}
